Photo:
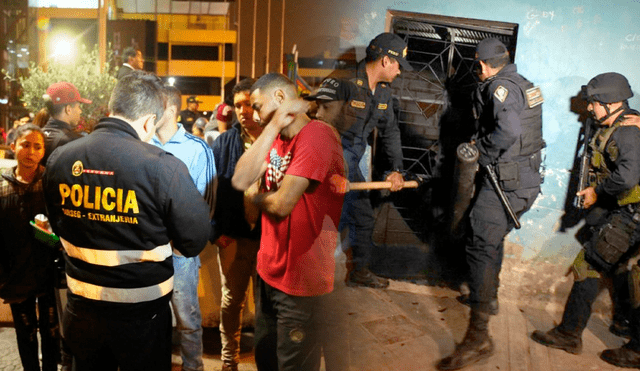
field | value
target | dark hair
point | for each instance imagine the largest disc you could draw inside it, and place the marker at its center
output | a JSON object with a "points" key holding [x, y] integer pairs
{"points": [[23, 129], [54, 109], [243, 85], [129, 52], [41, 118], [173, 96], [499, 61], [274, 80], [137, 94]]}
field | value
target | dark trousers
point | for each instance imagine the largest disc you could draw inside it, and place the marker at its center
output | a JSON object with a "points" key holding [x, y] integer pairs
{"points": [[104, 344], [357, 222], [485, 248], [286, 337], [27, 325], [577, 310]]}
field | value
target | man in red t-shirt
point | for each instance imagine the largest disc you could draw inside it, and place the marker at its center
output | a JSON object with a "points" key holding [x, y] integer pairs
{"points": [[298, 161]]}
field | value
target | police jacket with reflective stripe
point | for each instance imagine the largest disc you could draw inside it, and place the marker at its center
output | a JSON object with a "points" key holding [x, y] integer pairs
{"points": [[365, 111], [116, 202], [509, 130]]}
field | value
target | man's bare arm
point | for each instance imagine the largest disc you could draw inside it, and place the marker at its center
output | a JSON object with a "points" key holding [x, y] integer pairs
{"points": [[252, 165], [281, 202]]}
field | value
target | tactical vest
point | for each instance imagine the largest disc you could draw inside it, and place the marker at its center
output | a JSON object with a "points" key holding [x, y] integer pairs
{"points": [[602, 149], [530, 140]]}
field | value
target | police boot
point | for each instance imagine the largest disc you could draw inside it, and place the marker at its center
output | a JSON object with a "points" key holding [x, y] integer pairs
{"points": [[620, 327], [555, 338], [476, 345], [627, 356]]}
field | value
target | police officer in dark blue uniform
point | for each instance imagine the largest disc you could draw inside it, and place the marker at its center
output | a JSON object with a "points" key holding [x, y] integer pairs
{"points": [[189, 116], [369, 104], [614, 221], [509, 114]]}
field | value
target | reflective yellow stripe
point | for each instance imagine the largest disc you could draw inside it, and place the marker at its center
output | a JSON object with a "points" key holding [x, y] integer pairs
{"points": [[112, 258], [137, 295]]}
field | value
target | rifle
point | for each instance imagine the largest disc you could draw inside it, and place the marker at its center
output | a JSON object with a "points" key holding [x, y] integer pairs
{"points": [[585, 159], [493, 178]]}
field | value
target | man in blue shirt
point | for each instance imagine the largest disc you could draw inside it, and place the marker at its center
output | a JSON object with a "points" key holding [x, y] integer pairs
{"points": [[198, 156]]}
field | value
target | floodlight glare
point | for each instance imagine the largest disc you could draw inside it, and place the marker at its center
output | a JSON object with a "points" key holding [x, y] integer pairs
{"points": [[171, 80], [63, 48]]}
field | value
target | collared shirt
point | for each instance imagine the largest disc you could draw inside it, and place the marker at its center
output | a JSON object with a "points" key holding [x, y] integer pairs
{"points": [[198, 156]]}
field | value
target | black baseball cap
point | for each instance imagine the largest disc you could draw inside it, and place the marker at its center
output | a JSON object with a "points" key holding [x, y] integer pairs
{"points": [[610, 87], [332, 90], [392, 45], [192, 99], [489, 48]]}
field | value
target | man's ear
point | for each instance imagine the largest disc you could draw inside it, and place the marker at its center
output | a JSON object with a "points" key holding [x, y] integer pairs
{"points": [[484, 67], [385, 60], [279, 95], [150, 123]]}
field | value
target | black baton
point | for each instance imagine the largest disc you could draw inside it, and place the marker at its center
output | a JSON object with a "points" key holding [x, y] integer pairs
{"points": [[503, 198]]}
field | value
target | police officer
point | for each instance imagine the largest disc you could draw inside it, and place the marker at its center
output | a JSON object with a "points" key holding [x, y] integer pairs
{"points": [[509, 114], [112, 199], [614, 220], [189, 116], [369, 105]]}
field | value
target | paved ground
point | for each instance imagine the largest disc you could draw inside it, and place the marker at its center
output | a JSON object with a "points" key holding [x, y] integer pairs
{"points": [[414, 322]]}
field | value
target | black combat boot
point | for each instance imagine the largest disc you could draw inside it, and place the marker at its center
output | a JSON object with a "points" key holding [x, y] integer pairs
{"points": [[555, 338], [627, 356], [476, 345]]}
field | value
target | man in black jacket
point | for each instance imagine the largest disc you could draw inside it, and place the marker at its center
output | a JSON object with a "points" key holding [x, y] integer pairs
{"points": [[235, 221], [112, 200], [63, 103]]}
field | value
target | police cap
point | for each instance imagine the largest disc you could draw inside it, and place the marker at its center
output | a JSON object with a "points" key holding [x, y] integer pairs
{"points": [[610, 87], [193, 99], [332, 90], [490, 48], [392, 45]]}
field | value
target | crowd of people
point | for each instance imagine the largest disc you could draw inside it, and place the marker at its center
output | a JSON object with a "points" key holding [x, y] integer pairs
{"points": [[135, 202]]}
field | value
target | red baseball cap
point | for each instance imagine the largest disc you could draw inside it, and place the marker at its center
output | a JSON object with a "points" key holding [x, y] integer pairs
{"points": [[64, 93]]}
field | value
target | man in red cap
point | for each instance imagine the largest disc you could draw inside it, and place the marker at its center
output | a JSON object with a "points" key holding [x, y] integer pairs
{"points": [[63, 103]]}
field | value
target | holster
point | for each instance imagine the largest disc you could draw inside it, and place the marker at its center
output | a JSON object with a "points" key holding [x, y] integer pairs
{"points": [[611, 243]]}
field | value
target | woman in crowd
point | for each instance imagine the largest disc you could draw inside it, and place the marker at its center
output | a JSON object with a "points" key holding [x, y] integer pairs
{"points": [[26, 267]]}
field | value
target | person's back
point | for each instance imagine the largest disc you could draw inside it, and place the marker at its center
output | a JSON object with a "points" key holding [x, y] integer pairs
{"points": [[113, 202]]}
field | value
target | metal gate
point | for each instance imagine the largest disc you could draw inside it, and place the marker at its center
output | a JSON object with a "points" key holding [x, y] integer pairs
{"points": [[434, 115]]}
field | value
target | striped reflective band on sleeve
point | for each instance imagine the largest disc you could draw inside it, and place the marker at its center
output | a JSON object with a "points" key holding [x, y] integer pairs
{"points": [[118, 295], [112, 258]]}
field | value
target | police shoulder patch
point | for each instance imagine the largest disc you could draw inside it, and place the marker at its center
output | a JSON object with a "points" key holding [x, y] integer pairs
{"points": [[501, 93]]}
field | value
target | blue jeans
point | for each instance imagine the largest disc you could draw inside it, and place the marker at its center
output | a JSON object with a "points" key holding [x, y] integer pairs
{"points": [[186, 308]]}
